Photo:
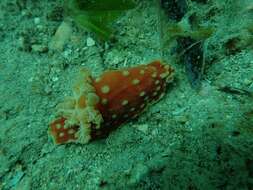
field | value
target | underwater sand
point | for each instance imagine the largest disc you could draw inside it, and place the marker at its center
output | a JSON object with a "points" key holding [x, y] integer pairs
{"points": [[191, 139]]}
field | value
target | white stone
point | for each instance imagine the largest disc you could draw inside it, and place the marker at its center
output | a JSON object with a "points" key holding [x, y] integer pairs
{"points": [[36, 20], [90, 42]]}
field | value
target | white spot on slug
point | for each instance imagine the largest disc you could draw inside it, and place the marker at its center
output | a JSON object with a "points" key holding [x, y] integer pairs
{"points": [[98, 79], [143, 105], [124, 102], [164, 75], [142, 93], [125, 73], [105, 89], [104, 101], [158, 88], [154, 94], [132, 109], [142, 72], [154, 75], [58, 126], [71, 131], [135, 81]]}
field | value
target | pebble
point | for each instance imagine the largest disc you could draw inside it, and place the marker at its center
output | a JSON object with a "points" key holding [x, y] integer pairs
{"points": [[247, 82], [36, 20], [54, 79], [23, 44], [90, 42], [48, 89], [143, 127], [39, 48], [183, 119]]}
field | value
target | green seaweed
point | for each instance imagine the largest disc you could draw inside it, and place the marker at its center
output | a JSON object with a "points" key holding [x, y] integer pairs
{"points": [[97, 15], [176, 30]]}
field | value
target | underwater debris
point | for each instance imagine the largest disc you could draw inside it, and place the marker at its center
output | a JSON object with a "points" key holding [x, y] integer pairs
{"points": [[235, 91], [61, 36], [99, 106], [191, 48], [193, 60], [176, 30], [97, 15], [190, 39], [239, 42], [63, 32]]}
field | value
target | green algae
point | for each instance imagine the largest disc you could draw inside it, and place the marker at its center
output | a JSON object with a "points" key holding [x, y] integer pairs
{"points": [[97, 15]]}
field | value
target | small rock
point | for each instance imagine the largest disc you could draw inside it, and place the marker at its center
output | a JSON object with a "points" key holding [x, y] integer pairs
{"points": [[181, 119], [24, 44], [247, 82], [54, 79], [23, 13], [37, 20], [142, 127], [90, 42], [39, 48], [61, 37], [48, 89], [251, 87]]}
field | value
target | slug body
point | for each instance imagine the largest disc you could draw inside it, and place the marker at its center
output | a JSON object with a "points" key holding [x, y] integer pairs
{"points": [[98, 106]]}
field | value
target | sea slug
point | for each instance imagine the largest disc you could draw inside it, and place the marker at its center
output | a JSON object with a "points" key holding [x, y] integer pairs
{"points": [[98, 106]]}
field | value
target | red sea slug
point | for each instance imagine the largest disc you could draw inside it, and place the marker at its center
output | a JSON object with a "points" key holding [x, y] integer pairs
{"points": [[100, 105]]}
